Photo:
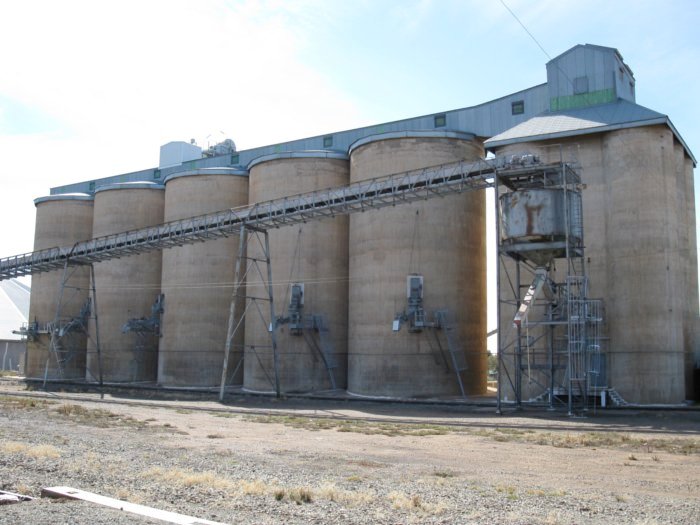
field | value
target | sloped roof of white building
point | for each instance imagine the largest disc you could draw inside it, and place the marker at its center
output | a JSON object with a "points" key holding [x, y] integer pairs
{"points": [[14, 308]]}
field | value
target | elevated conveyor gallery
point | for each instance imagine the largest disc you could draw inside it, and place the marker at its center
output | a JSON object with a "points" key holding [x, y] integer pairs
{"points": [[375, 193]]}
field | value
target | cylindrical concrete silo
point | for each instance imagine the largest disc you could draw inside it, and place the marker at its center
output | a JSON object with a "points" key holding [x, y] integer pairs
{"points": [[633, 228], [647, 292], [61, 220], [442, 240], [311, 258], [126, 288], [685, 198], [197, 282]]}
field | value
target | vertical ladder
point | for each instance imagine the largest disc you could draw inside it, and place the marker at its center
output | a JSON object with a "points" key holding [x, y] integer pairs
{"points": [[577, 341], [459, 360], [55, 349]]}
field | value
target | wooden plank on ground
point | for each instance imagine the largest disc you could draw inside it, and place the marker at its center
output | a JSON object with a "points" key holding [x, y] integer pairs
{"points": [[141, 510], [20, 497]]}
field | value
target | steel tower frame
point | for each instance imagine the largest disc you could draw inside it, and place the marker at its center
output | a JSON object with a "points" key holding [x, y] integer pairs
{"points": [[555, 328]]}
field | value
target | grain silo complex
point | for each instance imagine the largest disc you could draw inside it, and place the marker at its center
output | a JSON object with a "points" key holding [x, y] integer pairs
{"points": [[597, 257]]}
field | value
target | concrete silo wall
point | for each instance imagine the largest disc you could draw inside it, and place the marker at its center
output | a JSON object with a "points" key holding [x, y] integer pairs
{"points": [[198, 282], [647, 296], [60, 221], [444, 241], [315, 254], [692, 322], [125, 288], [639, 228]]}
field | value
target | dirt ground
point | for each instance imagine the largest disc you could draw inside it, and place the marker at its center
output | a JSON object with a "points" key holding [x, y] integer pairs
{"points": [[258, 460]]}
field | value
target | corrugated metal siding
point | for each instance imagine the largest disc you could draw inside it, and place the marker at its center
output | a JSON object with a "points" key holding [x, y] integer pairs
{"points": [[593, 62], [601, 65], [484, 120]]}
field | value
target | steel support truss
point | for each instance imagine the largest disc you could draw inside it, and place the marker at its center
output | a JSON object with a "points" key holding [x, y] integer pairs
{"points": [[251, 262]]}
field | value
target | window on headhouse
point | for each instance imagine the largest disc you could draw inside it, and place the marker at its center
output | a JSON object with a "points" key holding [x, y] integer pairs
{"points": [[580, 85], [440, 121], [92, 186], [234, 159], [328, 141], [517, 107], [156, 174]]}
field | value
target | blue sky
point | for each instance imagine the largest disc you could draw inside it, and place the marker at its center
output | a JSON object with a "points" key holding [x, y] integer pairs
{"points": [[92, 89]]}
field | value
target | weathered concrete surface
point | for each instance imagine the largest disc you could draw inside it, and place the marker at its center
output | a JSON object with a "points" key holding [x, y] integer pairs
{"points": [[198, 282], [441, 239], [315, 254], [125, 288], [639, 227], [59, 223], [689, 254], [648, 291]]}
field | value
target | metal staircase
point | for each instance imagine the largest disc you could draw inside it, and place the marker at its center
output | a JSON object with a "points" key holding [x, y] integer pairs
{"points": [[616, 398]]}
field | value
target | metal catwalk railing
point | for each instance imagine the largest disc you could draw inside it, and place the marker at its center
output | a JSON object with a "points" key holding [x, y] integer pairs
{"points": [[373, 193]]}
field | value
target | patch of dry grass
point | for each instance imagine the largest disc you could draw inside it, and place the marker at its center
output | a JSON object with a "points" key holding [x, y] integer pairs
{"points": [[501, 434], [509, 491], [328, 491], [256, 487], [126, 495], [16, 402], [415, 503], [14, 447], [189, 478], [356, 426], [613, 440], [300, 495], [544, 493], [37, 451], [367, 463], [101, 418]]}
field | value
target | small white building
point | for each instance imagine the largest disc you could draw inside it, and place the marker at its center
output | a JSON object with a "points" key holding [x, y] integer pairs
{"points": [[14, 309]]}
